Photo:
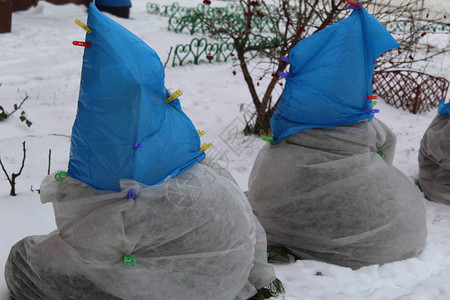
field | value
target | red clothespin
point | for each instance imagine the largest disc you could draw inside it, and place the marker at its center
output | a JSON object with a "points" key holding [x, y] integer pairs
{"points": [[353, 4], [82, 44], [372, 97]]}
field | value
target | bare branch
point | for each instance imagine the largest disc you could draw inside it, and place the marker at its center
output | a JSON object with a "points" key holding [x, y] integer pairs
{"points": [[259, 51], [12, 179], [4, 171]]}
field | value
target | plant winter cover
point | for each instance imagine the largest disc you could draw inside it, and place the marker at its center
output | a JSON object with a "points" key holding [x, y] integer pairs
{"points": [[326, 194], [124, 128], [119, 234], [192, 237], [434, 157], [330, 76], [325, 188]]}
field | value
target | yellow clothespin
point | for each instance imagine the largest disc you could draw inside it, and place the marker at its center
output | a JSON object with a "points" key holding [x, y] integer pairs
{"points": [[205, 147], [201, 132], [174, 96], [82, 25]]}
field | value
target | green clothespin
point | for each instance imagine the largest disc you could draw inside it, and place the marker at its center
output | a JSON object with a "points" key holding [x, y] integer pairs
{"points": [[128, 259], [382, 154], [267, 139], [60, 176]]}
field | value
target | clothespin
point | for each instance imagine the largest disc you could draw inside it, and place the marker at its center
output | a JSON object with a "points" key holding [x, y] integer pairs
{"points": [[285, 75], [82, 25], [205, 147], [174, 96], [132, 194], [286, 59], [60, 176], [373, 97], [82, 44], [128, 259], [353, 5], [201, 132], [267, 139], [382, 154], [371, 111], [137, 145]]}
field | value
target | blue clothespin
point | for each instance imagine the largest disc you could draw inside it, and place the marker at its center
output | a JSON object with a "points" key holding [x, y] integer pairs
{"points": [[137, 145], [132, 194], [286, 59], [285, 75], [371, 111]]}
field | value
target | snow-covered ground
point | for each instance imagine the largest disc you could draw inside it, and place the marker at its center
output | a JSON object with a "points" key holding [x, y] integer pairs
{"points": [[39, 60]]}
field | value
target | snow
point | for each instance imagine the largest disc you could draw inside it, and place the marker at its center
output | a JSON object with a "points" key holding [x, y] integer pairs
{"points": [[39, 60]]}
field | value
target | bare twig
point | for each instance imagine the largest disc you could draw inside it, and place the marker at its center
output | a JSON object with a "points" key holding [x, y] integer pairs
{"points": [[4, 115], [12, 179], [168, 57], [49, 161], [259, 53]]}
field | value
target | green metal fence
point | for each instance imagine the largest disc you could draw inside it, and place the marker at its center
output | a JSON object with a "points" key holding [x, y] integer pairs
{"points": [[201, 51], [405, 26], [188, 19]]}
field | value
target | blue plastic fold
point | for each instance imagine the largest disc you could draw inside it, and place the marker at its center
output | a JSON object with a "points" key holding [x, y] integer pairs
{"points": [[124, 129], [444, 108], [331, 76]]}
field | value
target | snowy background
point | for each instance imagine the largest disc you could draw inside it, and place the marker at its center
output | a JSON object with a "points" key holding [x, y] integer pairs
{"points": [[39, 60]]}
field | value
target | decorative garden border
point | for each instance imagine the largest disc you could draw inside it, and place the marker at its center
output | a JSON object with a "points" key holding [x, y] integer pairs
{"points": [[413, 91]]}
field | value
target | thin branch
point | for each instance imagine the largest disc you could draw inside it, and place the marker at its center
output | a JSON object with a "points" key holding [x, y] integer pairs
{"points": [[12, 179], [4, 171], [16, 108], [168, 57], [49, 161]]}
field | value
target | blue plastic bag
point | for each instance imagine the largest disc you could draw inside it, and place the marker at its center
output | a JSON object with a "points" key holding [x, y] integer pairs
{"points": [[124, 129], [331, 76]]}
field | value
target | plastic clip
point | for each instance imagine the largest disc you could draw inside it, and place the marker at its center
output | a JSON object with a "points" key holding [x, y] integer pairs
{"points": [[371, 111], [267, 139], [201, 132], [82, 25], [285, 75], [137, 145], [128, 259], [353, 5], [60, 176], [132, 194], [382, 154], [373, 97], [82, 44], [286, 59], [205, 147], [174, 96]]}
